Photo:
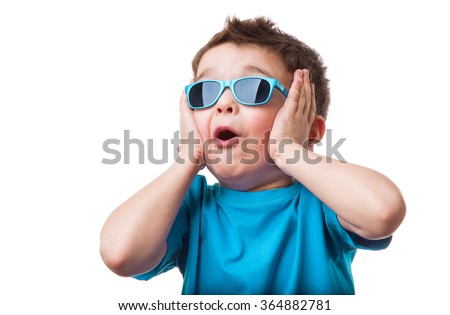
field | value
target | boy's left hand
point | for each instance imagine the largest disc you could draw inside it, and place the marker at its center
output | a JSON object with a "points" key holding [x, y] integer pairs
{"points": [[293, 121]]}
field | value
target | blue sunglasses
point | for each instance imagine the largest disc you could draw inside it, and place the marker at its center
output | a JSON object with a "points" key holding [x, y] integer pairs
{"points": [[252, 91]]}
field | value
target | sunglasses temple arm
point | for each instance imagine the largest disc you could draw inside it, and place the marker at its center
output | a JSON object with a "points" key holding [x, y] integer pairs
{"points": [[282, 89]]}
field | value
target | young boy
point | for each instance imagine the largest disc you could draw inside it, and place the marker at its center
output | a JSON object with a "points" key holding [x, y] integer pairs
{"points": [[281, 219]]}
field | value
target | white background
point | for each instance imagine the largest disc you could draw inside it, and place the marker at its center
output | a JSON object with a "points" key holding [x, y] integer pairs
{"points": [[75, 73]]}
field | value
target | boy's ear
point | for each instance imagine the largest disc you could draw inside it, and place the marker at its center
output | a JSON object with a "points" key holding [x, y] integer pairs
{"points": [[317, 130]]}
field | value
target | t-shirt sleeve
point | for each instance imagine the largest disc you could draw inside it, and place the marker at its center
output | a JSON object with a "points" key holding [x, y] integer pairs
{"points": [[178, 235], [175, 244], [348, 239]]}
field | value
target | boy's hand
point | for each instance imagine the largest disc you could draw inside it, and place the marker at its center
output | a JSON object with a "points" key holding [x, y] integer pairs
{"points": [[293, 121], [191, 145]]}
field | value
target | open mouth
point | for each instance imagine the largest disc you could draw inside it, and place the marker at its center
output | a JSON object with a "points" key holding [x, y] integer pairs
{"points": [[226, 135]]}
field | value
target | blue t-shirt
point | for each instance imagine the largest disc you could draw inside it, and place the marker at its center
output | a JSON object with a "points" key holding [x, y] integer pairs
{"points": [[279, 241]]}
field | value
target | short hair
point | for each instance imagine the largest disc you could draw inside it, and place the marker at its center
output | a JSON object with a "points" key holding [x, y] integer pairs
{"points": [[295, 54]]}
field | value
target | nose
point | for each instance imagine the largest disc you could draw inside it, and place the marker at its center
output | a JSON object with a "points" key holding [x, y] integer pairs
{"points": [[226, 103]]}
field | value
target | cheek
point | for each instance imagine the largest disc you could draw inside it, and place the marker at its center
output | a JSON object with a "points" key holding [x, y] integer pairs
{"points": [[202, 121], [263, 119]]}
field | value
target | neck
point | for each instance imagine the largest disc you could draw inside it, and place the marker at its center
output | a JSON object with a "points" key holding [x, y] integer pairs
{"points": [[278, 183]]}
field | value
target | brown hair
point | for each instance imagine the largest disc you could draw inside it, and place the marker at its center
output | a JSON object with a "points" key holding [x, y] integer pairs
{"points": [[263, 32]]}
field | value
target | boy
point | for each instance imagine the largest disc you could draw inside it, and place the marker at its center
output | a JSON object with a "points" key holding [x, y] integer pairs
{"points": [[282, 219]]}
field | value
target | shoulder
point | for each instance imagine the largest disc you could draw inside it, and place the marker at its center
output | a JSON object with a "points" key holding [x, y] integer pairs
{"points": [[197, 191], [199, 183]]}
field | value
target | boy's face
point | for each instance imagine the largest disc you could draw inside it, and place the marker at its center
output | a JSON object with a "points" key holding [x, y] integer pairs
{"points": [[242, 161]]}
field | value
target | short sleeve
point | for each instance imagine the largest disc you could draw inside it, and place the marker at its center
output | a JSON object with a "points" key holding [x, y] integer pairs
{"points": [[175, 244], [177, 239], [350, 240]]}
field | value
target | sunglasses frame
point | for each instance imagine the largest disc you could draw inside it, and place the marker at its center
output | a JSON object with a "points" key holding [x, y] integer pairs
{"points": [[274, 83]]}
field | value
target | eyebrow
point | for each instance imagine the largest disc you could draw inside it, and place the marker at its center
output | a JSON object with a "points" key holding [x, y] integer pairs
{"points": [[252, 68], [249, 68]]}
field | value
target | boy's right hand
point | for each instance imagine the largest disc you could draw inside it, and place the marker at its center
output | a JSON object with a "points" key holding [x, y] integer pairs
{"points": [[191, 145]]}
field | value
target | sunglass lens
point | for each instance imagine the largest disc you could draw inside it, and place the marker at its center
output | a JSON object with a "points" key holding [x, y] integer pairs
{"points": [[204, 94], [252, 91]]}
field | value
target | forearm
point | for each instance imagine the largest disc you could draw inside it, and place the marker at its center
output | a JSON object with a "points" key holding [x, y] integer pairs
{"points": [[365, 201], [133, 239]]}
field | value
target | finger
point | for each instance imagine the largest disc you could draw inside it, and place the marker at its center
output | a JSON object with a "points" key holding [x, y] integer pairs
{"points": [[306, 93], [186, 115], [312, 112], [184, 106], [301, 98], [183, 97], [294, 91]]}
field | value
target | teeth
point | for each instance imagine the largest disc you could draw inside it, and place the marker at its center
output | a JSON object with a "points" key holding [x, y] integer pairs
{"points": [[226, 135]]}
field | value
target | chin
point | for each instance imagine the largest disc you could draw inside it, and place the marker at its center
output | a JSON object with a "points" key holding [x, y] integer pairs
{"points": [[239, 176], [226, 172]]}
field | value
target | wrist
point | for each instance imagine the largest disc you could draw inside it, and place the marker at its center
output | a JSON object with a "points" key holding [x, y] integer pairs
{"points": [[285, 149], [189, 166], [290, 154], [187, 155]]}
